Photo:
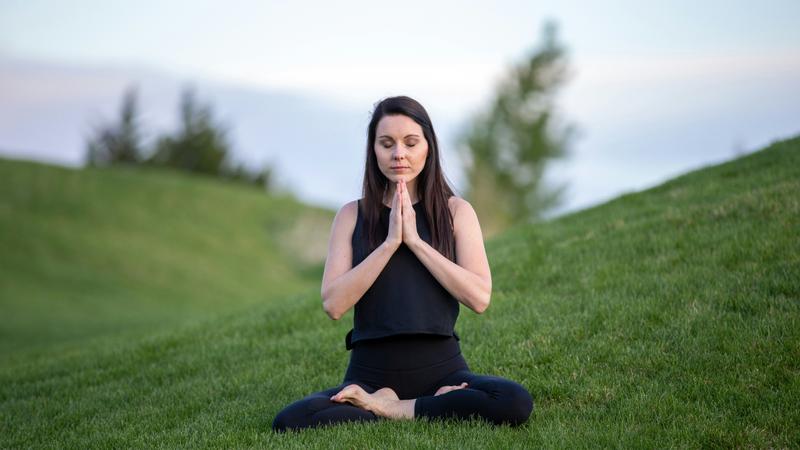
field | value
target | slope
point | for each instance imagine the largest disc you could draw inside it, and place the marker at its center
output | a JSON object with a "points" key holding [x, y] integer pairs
{"points": [[664, 318], [91, 253]]}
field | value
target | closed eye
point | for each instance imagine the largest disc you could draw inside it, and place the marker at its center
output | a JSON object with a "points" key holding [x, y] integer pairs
{"points": [[390, 146]]}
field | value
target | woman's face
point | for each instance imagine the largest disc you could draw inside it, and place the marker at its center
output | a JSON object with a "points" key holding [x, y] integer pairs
{"points": [[400, 147]]}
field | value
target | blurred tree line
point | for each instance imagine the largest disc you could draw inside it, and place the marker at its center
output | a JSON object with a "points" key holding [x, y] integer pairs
{"points": [[507, 147], [200, 144]]}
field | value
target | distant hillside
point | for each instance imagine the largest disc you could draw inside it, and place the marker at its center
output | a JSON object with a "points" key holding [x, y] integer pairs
{"points": [[93, 252], [665, 318]]}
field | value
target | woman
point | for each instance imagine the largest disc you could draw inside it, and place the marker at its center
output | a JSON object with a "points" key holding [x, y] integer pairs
{"points": [[405, 255]]}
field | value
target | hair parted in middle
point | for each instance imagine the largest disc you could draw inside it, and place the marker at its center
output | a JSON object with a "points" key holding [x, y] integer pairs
{"points": [[432, 187]]}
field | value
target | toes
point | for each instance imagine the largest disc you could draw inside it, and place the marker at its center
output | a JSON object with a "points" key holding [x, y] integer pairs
{"points": [[351, 390], [337, 396]]}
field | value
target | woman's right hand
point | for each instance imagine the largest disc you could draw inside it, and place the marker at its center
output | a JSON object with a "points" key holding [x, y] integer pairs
{"points": [[395, 235]]}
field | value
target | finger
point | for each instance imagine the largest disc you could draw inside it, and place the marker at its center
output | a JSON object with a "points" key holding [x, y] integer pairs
{"points": [[399, 196], [406, 197]]}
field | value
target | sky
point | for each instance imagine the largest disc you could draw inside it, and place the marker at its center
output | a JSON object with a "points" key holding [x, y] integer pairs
{"points": [[657, 88]]}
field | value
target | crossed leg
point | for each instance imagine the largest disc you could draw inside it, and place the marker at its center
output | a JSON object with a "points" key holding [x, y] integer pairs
{"points": [[496, 399], [384, 402], [461, 394], [350, 401], [318, 409]]}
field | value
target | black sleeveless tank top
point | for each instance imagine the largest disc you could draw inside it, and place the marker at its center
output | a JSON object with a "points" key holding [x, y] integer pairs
{"points": [[405, 297]]}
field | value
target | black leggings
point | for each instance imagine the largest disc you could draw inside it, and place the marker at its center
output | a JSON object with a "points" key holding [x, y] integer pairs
{"points": [[414, 366]]}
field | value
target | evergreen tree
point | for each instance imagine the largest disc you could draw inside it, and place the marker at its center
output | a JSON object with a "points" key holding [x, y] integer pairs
{"points": [[508, 146], [118, 143], [200, 144]]}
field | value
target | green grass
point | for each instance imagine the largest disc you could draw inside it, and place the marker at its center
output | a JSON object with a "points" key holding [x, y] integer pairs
{"points": [[665, 318], [93, 254]]}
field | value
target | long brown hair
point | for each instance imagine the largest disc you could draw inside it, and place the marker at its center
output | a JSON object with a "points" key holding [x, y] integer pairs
{"points": [[432, 187]]}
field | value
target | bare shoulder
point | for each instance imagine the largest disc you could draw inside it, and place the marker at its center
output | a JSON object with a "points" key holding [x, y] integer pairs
{"points": [[347, 214], [457, 204], [464, 216], [339, 259], [344, 223], [349, 208]]}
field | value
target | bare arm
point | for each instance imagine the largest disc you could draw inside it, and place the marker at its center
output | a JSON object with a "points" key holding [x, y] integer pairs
{"points": [[469, 279], [342, 284]]}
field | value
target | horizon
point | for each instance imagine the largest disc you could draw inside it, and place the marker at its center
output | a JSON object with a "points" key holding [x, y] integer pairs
{"points": [[655, 91]]}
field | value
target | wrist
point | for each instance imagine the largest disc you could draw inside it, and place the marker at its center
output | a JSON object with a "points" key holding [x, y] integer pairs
{"points": [[413, 244], [391, 245]]}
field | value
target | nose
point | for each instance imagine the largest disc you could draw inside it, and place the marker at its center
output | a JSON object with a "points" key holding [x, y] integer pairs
{"points": [[398, 152]]}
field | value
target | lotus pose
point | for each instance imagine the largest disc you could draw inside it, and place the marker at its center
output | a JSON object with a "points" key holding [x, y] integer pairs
{"points": [[404, 256]]}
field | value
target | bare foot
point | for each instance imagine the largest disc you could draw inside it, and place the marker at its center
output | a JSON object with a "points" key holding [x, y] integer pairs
{"points": [[384, 402], [386, 393], [379, 402], [446, 389]]}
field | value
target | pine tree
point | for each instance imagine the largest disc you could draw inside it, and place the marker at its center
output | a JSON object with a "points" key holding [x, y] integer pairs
{"points": [[118, 143], [200, 145]]}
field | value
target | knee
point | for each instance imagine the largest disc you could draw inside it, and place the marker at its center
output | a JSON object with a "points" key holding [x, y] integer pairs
{"points": [[517, 404], [282, 422], [293, 417]]}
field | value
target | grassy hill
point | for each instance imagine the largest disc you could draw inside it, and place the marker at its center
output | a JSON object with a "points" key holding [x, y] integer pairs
{"points": [[97, 253], [665, 318]]}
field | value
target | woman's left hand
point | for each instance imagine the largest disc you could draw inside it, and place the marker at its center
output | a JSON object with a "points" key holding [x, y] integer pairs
{"points": [[410, 235]]}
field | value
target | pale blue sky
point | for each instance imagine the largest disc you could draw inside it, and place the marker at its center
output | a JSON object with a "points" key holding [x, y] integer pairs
{"points": [[197, 34], [271, 42], [659, 87]]}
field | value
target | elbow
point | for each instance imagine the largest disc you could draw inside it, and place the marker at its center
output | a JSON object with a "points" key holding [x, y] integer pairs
{"points": [[482, 304], [332, 304], [326, 304], [333, 314], [329, 309]]}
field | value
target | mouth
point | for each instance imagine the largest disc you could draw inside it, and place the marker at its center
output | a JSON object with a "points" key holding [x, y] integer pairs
{"points": [[400, 168]]}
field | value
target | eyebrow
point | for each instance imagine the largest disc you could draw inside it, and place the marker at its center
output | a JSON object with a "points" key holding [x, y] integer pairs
{"points": [[387, 136]]}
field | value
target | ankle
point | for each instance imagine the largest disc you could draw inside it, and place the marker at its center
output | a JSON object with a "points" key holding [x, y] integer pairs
{"points": [[401, 409]]}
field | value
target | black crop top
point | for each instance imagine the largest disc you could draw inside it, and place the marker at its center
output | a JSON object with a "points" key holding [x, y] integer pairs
{"points": [[405, 297]]}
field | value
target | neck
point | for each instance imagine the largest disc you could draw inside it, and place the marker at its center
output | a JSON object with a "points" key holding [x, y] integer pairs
{"points": [[411, 186]]}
